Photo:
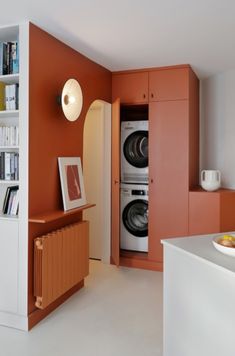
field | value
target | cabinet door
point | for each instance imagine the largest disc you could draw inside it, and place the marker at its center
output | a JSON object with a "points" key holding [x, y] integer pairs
{"points": [[204, 213], [168, 173], [115, 186], [9, 266], [130, 88], [169, 84]]}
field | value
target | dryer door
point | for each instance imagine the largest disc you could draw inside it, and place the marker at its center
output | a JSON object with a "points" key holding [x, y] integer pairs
{"points": [[135, 149], [135, 217]]}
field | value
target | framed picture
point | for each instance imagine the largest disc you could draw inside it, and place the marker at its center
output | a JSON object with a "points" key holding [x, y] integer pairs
{"points": [[71, 179]]}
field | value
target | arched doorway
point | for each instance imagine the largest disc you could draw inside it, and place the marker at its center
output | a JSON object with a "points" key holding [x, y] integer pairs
{"points": [[97, 177]]}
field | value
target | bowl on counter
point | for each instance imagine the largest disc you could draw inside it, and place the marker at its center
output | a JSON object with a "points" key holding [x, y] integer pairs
{"points": [[227, 250]]}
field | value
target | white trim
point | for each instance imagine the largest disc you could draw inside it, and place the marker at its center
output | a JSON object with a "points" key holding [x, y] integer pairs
{"points": [[106, 246], [14, 321], [23, 168]]}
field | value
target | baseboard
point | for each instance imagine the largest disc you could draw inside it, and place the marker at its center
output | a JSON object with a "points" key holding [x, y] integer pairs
{"points": [[15, 321], [141, 263]]}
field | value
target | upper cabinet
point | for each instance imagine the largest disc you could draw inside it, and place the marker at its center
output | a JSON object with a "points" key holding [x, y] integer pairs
{"points": [[169, 84], [131, 88], [160, 84]]}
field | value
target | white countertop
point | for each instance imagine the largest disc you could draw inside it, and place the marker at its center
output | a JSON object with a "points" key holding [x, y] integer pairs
{"points": [[201, 247]]}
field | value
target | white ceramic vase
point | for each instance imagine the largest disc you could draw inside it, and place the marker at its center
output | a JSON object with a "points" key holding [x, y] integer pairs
{"points": [[210, 180]]}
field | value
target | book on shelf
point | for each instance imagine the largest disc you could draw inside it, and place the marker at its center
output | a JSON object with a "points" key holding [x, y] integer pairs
{"points": [[15, 57], [9, 58], [12, 96], [9, 136], [2, 96], [9, 166], [11, 201]]}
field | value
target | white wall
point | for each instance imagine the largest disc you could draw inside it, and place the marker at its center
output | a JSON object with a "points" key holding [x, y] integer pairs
{"points": [[218, 126]]}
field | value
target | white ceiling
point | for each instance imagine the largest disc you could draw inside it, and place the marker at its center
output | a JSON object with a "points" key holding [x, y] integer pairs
{"points": [[128, 34]]}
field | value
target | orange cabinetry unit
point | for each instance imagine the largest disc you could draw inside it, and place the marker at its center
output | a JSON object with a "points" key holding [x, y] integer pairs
{"points": [[173, 156], [131, 88], [211, 212], [169, 84]]}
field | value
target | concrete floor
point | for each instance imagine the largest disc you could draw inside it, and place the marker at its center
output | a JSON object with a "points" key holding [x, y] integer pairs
{"points": [[118, 313]]}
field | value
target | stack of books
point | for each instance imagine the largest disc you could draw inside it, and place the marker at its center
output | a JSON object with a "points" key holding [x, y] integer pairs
{"points": [[11, 201], [9, 135], [9, 58], [9, 165]]}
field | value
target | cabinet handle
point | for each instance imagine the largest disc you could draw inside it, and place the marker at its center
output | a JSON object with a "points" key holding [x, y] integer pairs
{"points": [[144, 96], [116, 182], [152, 95], [151, 180]]}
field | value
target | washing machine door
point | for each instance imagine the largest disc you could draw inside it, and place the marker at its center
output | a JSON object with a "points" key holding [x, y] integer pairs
{"points": [[135, 149], [135, 217]]}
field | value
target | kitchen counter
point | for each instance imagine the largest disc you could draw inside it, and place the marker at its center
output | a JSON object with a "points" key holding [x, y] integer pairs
{"points": [[199, 298]]}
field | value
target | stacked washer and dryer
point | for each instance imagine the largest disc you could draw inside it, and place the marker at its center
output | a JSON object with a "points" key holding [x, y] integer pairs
{"points": [[134, 186]]}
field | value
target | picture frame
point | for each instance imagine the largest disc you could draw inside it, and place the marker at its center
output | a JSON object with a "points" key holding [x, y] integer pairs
{"points": [[72, 185]]}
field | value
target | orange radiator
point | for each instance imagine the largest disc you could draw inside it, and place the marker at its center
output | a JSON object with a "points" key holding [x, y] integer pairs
{"points": [[60, 262]]}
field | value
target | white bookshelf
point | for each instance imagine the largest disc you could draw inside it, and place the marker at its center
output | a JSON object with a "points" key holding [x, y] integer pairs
{"points": [[4, 148], [6, 217], [14, 229], [9, 113], [10, 78], [16, 182]]}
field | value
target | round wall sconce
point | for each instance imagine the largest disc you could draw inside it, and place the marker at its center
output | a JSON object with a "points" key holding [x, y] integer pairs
{"points": [[72, 99]]}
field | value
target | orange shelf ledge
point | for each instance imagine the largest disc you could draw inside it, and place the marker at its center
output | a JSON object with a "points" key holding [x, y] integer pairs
{"points": [[57, 214]]}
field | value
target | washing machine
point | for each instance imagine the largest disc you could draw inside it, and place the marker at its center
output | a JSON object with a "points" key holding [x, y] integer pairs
{"points": [[134, 151], [134, 217]]}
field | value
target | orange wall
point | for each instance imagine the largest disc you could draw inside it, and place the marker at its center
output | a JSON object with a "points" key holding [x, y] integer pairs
{"points": [[51, 63]]}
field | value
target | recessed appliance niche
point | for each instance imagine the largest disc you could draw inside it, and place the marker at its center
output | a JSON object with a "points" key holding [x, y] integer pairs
{"points": [[134, 178]]}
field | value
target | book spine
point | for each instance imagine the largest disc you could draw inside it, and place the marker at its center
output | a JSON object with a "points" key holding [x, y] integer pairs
{"points": [[11, 96], [6, 200], [2, 96], [15, 57], [7, 166], [12, 165], [17, 136], [8, 52], [1, 58], [17, 96], [15, 203], [16, 158], [11, 197], [2, 165], [7, 97], [4, 71]]}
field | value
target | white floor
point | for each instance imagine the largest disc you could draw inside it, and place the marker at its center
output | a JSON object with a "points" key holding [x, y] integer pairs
{"points": [[118, 313]]}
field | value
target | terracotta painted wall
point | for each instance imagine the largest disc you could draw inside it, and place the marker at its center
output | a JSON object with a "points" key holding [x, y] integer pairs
{"points": [[50, 134]]}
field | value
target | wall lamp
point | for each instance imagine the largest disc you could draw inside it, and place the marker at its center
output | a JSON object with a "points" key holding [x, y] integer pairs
{"points": [[71, 99]]}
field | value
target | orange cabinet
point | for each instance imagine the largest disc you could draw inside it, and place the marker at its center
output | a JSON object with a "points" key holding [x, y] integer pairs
{"points": [[169, 84], [173, 155], [168, 173], [130, 88], [211, 212]]}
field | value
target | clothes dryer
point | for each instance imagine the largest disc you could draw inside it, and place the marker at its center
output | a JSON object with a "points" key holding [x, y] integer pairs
{"points": [[134, 151]]}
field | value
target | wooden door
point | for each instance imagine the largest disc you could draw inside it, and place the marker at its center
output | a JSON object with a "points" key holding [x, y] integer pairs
{"points": [[168, 173], [115, 186], [131, 88], [169, 84]]}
